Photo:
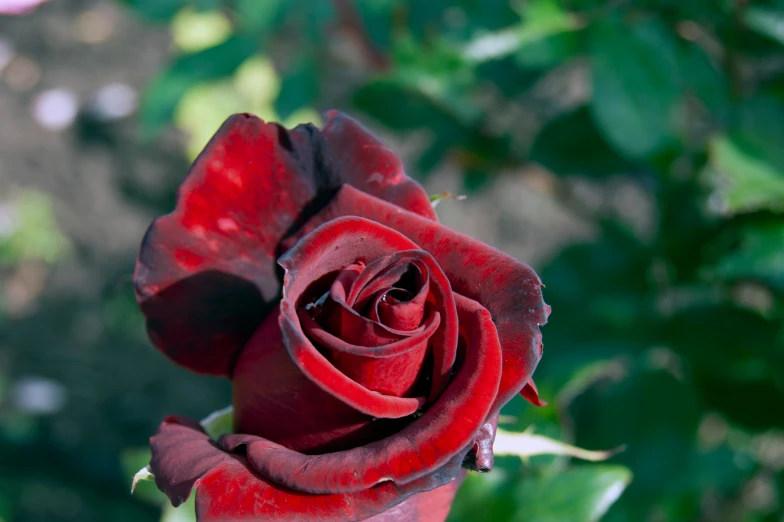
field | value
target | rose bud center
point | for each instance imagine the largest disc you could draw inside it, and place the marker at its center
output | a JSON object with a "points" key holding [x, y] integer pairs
{"points": [[374, 323]]}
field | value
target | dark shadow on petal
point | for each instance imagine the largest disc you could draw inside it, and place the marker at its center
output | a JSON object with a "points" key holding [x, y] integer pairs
{"points": [[203, 321]]}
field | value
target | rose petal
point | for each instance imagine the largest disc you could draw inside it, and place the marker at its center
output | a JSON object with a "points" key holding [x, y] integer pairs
{"points": [[382, 351], [531, 394], [206, 275], [184, 458], [380, 358], [328, 249], [510, 290], [275, 400], [447, 428], [374, 168], [391, 369]]}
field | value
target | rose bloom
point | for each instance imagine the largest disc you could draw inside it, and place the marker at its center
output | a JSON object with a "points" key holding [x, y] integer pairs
{"points": [[370, 347]]}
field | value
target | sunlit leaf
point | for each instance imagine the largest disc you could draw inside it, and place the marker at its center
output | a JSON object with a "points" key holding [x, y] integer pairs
{"points": [[527, 444], [579, 494], [745, 177], [194, 31], [220, 422], [29, 230], [257, 81], [204, 107], [165, 91], [543, 21], [766, 21]]}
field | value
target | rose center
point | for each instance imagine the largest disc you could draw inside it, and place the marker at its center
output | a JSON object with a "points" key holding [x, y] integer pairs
{"points": [[374, 324]]}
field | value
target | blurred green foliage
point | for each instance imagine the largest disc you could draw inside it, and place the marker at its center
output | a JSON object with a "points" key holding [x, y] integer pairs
{"points": [[667, 338]]}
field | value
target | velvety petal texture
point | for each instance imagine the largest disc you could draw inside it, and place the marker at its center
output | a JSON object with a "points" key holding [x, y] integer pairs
{"points": [[184, 458], [370, 347], [511, 290], [206, 275]]}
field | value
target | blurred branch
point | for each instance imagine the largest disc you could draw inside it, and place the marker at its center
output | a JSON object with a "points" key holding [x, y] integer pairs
{"points": [[351, 23]]}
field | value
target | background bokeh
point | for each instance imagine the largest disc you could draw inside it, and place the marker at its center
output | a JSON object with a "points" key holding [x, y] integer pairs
{"points": [[632, 151]]}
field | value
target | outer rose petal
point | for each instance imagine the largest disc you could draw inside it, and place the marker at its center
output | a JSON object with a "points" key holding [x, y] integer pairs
{"points": [[184, 458], [510, 290], [206, 275], [447, 428]]}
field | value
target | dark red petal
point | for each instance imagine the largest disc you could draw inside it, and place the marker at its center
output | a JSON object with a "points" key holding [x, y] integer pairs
{"points": [[447, 428], [184, 458], [337, 244], [531, 394], [402, 315], [510, 290], [372, 166], [345, 323], [391, 349], [430, 506], [206, 275], [275, 400], [377, 276], [390, 369]]}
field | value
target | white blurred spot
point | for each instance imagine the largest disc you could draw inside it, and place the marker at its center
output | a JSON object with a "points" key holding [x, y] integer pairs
{"points": [[55, 109], [38, 395], [113, 101]]}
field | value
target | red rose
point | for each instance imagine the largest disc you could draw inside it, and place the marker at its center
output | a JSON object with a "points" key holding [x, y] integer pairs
{"points": [[369, 369]]}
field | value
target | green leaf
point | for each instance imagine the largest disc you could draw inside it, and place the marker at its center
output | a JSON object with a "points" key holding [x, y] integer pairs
{"points": [[220, 422], [194, 31], [527, 444], [745, 177], [759, 256], [260, 18], [571, 145], [765, 21], [162, 95], [30, 230], [157, 10], [299, 88], [635, 86], [579, 494], [659, 442], [704, 79], [542, 39]]}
